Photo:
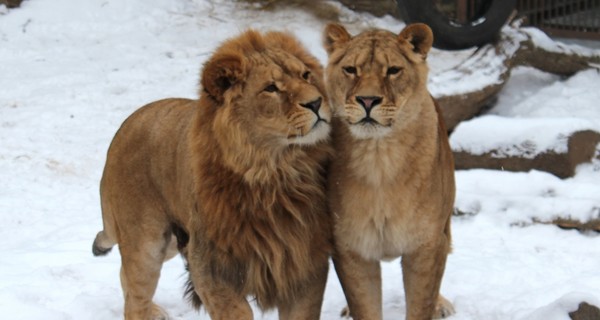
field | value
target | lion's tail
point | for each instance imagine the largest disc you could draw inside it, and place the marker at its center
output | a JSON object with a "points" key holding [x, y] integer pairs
{"points": [[190, 292], [102, 244]]}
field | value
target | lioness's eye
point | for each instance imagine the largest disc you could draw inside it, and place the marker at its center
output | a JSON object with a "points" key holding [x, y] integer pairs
{"points": [[305, 75], [271, 88], [350, 70], [393, 70]]}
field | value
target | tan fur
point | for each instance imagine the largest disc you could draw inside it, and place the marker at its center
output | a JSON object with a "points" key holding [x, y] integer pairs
{"points": [[237, 177], [392, 178]]}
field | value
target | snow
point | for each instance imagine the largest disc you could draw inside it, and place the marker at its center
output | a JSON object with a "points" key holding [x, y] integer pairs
{"points": [[557, 310], [552, 96], [463, 79], [71, 71], [505, 137], [543, 41], [532, 103]]}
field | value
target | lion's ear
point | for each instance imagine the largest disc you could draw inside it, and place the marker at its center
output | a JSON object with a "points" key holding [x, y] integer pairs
{"points": [[419, 37], [334, 36], [221, 73]]}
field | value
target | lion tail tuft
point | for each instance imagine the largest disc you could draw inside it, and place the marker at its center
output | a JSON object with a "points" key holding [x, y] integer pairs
{"points": [[190, 293], [102, 244]]}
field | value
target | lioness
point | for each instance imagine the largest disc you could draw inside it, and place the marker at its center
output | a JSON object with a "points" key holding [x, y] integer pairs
{"points": [[237, 177], [392, 179]]}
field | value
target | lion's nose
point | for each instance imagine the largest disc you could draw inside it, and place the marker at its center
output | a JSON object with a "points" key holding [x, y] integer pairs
{"points": [[368, 102], [313, 105]]}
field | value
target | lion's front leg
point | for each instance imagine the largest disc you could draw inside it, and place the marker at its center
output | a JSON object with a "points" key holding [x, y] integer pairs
{"points": [[422, 272], [308, 305], [443, 308], [361, 281], [220, 298], [221, 301]]}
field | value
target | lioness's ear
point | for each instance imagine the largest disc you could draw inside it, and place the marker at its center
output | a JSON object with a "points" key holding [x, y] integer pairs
{"points": [[334, 36], [419, 36], [220, 73]]}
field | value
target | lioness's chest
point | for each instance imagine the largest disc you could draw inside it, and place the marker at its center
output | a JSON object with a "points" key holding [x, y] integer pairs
{"points": [[383, 200], [380, 224]]}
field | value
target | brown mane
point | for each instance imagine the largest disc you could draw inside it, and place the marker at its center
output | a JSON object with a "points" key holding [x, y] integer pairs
{"points": [[265, 225]]}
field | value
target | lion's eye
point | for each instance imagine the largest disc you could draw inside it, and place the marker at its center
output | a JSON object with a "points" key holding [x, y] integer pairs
{"points": [[350, 70], [305, 75], [271, 88], [393, 70]]}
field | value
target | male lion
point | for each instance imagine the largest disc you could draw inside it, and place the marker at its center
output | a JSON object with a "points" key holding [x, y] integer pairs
{"points": [[237, 177], [392, 179]]}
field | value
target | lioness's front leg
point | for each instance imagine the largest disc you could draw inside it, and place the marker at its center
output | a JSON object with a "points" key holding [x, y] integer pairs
{"points": [[308, 306], [422, 271], [361, 281]]}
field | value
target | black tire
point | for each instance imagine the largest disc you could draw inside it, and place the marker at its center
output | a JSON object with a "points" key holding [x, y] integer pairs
{"points": [[451, 35]]}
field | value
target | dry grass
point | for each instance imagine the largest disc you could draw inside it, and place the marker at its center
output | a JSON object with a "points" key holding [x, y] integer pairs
{"points": [[320, 9]]}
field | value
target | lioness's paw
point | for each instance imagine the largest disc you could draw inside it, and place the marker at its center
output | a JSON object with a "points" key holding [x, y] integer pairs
{"points": [[443, 308]]}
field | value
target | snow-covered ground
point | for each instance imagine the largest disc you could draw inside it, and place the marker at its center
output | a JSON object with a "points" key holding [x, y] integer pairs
{"points": [[71, 71]]}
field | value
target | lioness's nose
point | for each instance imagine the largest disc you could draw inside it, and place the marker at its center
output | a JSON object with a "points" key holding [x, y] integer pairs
{"points": [[368, 102], [313, 105]]}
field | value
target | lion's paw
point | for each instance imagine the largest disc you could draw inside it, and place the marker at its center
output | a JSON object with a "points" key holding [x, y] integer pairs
{"points": [[345, 313], [158, 313], [443, 308]]}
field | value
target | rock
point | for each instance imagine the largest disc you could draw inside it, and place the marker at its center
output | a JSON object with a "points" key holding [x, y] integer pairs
{"points": [[585, 312], [515, 47], [464, 106], [581, 148], [378, 8], [11, 3], [592, 225]]}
